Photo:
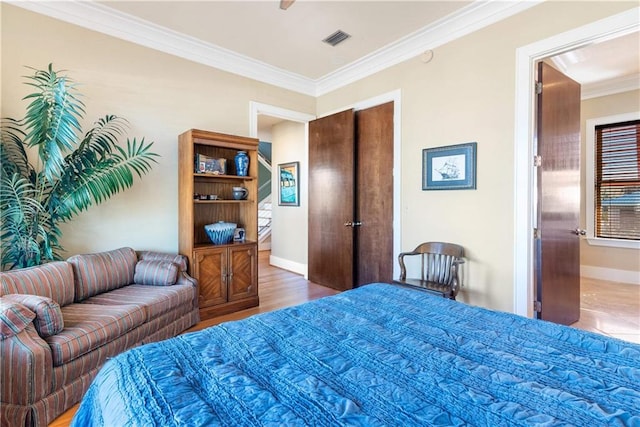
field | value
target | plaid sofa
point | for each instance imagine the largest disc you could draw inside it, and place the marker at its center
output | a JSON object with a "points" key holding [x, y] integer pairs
{"points": [[59, 322]]}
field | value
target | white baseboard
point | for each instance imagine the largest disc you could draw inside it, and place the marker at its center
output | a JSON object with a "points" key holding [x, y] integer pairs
{"points": [[612, 274], [264, 246], [289, 265]]}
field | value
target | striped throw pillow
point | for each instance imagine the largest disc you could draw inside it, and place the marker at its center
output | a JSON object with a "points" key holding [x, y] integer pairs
{"points": [[48, 321], [156, 273], [13, 318], [102, 271]]}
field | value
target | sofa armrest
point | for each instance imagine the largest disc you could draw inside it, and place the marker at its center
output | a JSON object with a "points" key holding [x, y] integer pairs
{"points": [[25, 367]]}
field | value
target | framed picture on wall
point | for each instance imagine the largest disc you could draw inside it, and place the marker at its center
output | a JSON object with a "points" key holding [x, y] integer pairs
{"points": [[449, 168], [289, 186]]}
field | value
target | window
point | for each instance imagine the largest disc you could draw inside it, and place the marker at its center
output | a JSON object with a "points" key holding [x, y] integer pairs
{"points": [[614, 145]]}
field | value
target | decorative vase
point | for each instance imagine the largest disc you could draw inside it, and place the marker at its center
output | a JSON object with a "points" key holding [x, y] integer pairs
{"points": [[242, 163], [221, 232]]}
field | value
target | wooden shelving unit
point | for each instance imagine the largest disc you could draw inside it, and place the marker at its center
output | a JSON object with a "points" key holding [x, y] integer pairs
{"points": [[227, 274]]}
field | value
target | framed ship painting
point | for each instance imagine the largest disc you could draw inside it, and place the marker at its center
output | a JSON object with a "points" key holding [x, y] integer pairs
{"points": [[289, 187], [449, 168]]}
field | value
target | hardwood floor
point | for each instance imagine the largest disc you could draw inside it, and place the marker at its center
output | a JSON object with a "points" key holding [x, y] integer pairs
{"points": [[608, 308]]}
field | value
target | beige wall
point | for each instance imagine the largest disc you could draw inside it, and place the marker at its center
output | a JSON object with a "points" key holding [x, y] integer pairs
{"points": [[289, 223], [160, 95], [466, 93], [600, 256]]}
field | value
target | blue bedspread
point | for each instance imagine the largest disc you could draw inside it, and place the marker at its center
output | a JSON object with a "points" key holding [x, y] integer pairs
{"points": [[379, 355]]}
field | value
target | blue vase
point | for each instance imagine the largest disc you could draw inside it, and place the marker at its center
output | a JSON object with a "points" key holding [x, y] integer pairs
{"points": [[242, 163]]}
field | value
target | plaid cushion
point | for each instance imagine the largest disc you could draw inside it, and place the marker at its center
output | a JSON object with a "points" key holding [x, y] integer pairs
{"points": [[14, 318], [181, 260], [48, 314], [155, 273], [53, 280], [89, 326], [102, 272]]}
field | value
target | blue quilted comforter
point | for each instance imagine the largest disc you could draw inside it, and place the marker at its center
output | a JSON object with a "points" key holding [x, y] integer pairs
{"points": [[379, 355]]}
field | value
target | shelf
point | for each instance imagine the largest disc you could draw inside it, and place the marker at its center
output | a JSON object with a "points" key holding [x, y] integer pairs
{"points": [[212, 246], [221, 201], [229, 177]]}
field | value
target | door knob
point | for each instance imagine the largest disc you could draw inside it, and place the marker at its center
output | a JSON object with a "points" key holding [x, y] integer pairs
{"points": [[353, 224], [579, 232]]}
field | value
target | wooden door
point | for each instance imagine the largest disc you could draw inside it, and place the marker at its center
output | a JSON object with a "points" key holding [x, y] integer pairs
{"points": [[374, 195], [557, 259], [331, 200], [210, 269], [243, 272]]}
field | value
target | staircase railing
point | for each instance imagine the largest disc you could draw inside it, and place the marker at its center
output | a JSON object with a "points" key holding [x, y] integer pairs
{"points": [[264, 204]]}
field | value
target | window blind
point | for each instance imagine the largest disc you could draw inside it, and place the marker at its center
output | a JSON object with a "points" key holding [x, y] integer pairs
{"points": [[617, 184]]}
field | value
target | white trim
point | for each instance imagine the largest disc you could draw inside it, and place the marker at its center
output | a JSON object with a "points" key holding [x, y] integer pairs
{"points": [[102, 18], [526, 57], [286, 264], [611, 86], [590, 147], [613, 243], [610, 274]]}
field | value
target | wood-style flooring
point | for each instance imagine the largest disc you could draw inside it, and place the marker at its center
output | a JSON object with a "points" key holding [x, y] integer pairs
{"points": [[607, 308], [610, 308]]}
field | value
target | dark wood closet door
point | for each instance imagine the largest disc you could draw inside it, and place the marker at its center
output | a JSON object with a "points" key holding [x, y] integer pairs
{"points": [[374, 194], [558, 248], [331, 200]]}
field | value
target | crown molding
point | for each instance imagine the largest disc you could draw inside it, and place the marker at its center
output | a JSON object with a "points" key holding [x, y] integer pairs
{"points": [[477, 15], [611, 86], [101, 18]]}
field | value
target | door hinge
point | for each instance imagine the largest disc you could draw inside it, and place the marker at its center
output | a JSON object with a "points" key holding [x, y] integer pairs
{"points": [[538, 88], [537, 160], [537, 306], [536, 233]]}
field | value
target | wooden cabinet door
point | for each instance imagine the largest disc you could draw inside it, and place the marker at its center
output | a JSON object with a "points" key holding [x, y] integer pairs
{"points": [[210, 268], [243, 272]]}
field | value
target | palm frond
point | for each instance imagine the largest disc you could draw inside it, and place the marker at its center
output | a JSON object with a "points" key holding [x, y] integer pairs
{"points": [[104, 135], [25, 233], [92, 183], [13, 156], [51, 120]]}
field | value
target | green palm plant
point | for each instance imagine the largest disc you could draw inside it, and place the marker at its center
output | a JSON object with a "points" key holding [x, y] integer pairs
{"points": [[71, 173]]}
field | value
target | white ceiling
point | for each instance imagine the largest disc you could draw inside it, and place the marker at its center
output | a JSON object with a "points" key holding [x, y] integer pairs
{"points": [[292, 39], [257, 39]]}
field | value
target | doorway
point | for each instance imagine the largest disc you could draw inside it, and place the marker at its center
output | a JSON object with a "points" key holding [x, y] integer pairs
{"points": [[526, 58], [257, 109]]}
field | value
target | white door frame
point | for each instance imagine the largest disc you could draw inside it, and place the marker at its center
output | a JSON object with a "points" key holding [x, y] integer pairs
{"points": [[524, 193]]}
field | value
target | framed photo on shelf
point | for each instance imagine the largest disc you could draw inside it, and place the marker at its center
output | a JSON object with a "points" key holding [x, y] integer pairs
{"points": [[289, 185], [449, 168]]}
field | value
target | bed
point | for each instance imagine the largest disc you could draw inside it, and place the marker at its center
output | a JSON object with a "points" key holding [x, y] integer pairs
{"points": [[379, 355]]}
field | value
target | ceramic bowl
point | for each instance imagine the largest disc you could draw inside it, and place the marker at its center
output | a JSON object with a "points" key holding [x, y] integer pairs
{"points": [[221, 232]]}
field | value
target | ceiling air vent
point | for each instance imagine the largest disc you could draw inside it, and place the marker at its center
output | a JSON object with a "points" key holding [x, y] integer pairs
{"points": [[336, 38]]}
